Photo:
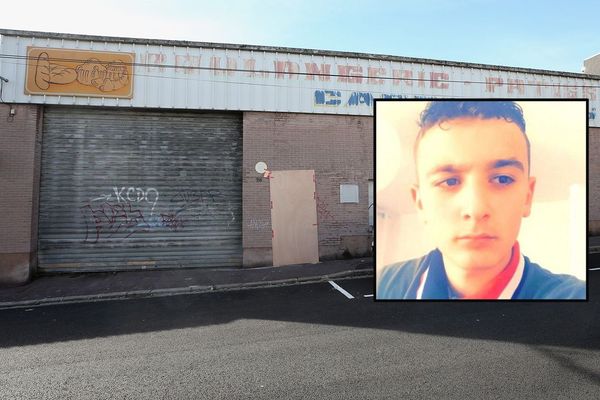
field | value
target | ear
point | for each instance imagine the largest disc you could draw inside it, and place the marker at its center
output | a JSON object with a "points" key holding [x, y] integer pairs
{"points": [[416, 197], [529, 199]]}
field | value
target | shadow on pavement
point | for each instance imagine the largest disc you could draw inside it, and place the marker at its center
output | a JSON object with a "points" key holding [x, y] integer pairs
{"points": [[575, 325], [567, 361]]}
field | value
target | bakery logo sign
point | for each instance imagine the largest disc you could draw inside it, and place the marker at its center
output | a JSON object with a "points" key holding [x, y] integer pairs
{"points": [[64, 72]]}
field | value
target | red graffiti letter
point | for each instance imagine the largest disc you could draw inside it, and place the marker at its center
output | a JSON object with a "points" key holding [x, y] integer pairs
{"points": [[516, 84], [437, 79], [312, 69], [281, 67], [373, 73], [350, 73], [491, 83]]}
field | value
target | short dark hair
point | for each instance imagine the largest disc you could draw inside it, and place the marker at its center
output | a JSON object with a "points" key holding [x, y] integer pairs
{"points": [[437, 112]]}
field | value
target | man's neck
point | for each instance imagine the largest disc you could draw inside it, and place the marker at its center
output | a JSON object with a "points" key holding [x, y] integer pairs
{"points": [[470, 283]]}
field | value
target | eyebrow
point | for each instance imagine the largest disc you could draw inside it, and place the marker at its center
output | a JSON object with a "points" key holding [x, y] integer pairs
{"points": [[447, 168], [508, 162], [500, 163]]}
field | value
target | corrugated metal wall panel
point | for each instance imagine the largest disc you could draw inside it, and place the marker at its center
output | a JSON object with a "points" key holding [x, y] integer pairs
{"points": [[177, 76], [130, 189]]}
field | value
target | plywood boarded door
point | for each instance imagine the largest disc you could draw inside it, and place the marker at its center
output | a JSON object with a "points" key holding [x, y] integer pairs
{"points": [[294, 217]]}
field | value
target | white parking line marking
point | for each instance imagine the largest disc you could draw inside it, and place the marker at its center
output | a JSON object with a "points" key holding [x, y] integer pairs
{"points": [[368, 295], [337, 287]]}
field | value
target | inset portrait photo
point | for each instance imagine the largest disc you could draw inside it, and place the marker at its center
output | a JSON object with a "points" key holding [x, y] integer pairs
{"points": [[481, 199]]}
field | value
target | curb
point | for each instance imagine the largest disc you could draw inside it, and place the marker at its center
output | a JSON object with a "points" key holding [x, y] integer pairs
{"points": [[194, 289]]}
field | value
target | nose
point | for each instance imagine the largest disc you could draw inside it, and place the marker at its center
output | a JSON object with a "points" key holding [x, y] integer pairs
{"points": [[475, 201]]}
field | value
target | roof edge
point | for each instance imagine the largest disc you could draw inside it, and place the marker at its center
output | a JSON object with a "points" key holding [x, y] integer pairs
{"points": [[290, 50]]}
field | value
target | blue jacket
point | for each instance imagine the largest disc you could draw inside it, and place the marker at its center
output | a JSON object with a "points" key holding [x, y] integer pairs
{"points": [[401, 281]]}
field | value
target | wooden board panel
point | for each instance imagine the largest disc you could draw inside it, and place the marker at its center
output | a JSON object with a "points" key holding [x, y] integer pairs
{"points": [[294, 217], [79, 73]]}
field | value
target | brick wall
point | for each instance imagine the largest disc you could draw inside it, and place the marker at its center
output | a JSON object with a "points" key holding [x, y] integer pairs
{"points": [[338, 148], [19, 170]]}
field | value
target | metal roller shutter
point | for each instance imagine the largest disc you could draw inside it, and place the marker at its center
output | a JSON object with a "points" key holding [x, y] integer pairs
{"points": [[129, 189]]}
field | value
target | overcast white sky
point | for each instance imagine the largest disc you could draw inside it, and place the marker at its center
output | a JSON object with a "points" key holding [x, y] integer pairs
{"points": [[554, 35]]}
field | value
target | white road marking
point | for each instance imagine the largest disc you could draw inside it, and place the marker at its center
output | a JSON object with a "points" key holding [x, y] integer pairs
{"points": [[337, 287], [368, 295], [594, 269]]}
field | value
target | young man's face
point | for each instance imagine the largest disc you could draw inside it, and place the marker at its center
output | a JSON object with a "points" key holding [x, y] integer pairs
{"points": [[473, 189]]}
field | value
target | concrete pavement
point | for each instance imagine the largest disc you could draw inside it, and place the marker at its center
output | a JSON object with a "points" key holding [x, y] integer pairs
{"points": [[70, 288], [83, 287]]}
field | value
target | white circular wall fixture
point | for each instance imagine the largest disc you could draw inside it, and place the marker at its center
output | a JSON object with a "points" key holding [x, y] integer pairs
{"points": [[260, 167]]}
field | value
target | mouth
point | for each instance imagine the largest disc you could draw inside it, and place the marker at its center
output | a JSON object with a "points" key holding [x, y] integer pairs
{"points": [[479, 236], [476, 240]]}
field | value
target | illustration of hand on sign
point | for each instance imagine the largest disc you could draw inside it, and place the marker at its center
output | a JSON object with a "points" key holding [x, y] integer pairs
{"points": [[104, 76]]}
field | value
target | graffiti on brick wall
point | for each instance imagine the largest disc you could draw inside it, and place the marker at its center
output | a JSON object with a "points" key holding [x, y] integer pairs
{"points": [[110, 219], [126, 211], [323, 210], [203, 202], [132, 195], [171, 221], [194, 199]]}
